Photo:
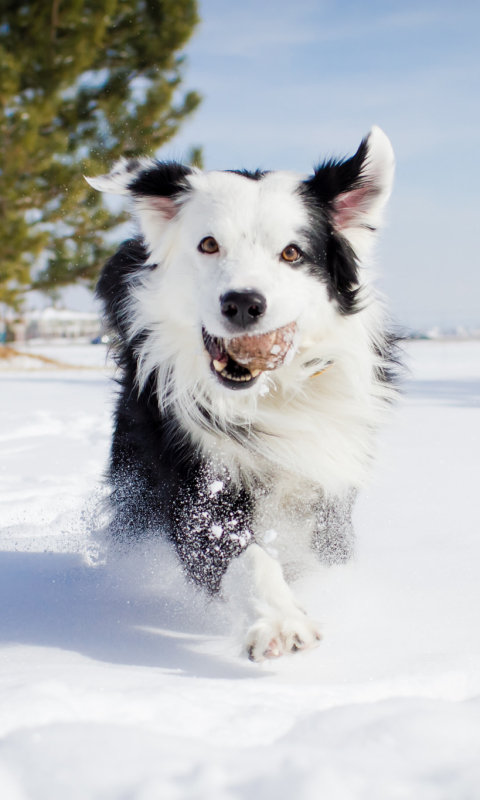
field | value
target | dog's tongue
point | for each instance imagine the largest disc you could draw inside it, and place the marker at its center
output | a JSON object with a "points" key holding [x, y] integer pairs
{"points": [[266, 351]]}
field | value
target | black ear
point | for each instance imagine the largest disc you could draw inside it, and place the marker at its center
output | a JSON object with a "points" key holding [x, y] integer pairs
{"points": [[159, 179], [156, 187], [335, 177], [345, 200], [355, 190], [145, 177]]}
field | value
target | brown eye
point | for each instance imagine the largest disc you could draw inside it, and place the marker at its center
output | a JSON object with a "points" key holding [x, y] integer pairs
{"points": [[208, 245], [291, 253]]}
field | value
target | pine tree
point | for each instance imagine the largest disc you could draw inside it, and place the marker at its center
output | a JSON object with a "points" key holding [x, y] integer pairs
{"points": [[82, 82]]}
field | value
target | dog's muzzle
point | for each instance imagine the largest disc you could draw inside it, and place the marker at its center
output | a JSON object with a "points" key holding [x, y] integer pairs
{"points": [[238, 363]]}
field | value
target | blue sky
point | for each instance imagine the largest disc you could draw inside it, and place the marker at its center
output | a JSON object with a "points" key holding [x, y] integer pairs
{"points": [[286, 83]]}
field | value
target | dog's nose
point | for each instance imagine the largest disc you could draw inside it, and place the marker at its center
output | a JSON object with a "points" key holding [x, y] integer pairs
{"points": [[243, 308]]}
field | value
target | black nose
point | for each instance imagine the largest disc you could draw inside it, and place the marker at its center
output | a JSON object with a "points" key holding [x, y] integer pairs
{"points": [[243, 308]]}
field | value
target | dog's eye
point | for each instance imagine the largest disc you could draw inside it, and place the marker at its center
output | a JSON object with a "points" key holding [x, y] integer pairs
{"points": [[208, 245], [291, 253]]}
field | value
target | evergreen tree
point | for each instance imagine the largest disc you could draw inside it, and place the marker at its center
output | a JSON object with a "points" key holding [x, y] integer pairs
{"points": [[82, 82]]}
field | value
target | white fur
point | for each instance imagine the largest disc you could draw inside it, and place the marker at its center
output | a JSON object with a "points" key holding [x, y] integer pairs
{"points": [[319, 430], [280, 624]]}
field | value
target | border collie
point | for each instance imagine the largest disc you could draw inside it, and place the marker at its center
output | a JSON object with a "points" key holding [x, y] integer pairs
{"points": [[255, 369]]}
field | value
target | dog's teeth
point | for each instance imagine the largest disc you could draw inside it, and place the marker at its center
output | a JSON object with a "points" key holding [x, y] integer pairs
{"points": [[218, 366], [236, 378], [255, 372]]}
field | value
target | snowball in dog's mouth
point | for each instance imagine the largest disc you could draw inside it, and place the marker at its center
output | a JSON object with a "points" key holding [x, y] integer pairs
{"points": [[239, 362]]}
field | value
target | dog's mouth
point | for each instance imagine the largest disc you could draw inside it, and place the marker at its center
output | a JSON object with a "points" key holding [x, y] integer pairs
{"points": [[238, 363]]}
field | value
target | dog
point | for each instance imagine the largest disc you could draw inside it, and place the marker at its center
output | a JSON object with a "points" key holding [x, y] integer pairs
{"points": [[256, 368]]}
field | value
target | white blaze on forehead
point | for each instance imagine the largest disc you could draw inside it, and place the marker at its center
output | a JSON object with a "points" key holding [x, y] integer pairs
{"points": [[252, 221], [235, 209]]}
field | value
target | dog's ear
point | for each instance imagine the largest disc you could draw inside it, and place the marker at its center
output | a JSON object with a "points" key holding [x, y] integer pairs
{"points": [[354, 191], [155, 186], [118, 180]]}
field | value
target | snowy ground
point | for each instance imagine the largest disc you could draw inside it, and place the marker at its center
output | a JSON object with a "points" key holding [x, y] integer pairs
{"points": [[119, 683]]}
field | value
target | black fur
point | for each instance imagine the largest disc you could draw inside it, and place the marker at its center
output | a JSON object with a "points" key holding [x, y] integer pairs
{"points": [[160, 485], [330, 258], [257, 175], [392, 369], [159, 482], [112, 286], [335, 177], [166, 179], [329, 255]]}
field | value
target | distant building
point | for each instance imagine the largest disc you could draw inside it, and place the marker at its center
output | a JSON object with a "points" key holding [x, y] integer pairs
{"points": [[55, 323]]}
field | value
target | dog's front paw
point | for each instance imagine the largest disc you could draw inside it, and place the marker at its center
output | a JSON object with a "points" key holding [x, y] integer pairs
{"points": [[272, 637]]}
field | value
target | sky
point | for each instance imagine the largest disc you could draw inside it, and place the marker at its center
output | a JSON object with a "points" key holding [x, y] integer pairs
{"points": [[286, 83]]}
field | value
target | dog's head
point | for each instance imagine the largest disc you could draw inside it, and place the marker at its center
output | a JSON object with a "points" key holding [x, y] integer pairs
{"points": [[248, 268]]}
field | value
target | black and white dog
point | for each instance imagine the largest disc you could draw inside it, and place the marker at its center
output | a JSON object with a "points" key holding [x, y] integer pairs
{"points": [[255, 368]]}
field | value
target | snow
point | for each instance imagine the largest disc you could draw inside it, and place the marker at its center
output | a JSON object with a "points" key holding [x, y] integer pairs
{"points": [[118, 682], [215, 487], [34, 356]]}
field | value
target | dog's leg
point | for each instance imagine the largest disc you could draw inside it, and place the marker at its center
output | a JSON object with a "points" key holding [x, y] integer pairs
{"points": [[281, 625], [210, 525], [333, 536]]}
